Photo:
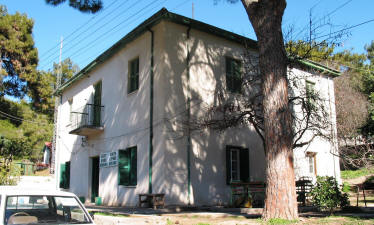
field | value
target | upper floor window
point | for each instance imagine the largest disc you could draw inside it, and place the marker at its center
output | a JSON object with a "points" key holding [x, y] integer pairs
{"points": [[311, 156], [310, 94], [133, 76], [70, 101], [233, 75]]}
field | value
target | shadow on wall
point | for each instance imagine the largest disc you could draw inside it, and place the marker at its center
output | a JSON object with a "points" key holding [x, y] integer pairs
{"points": [[207, 154]]}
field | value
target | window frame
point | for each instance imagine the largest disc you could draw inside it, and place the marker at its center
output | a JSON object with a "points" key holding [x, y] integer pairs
{"points": [[133, 76], [70, 101], [242, 164], [231, 75], [310, 92], [131, 173], [312, 163]]}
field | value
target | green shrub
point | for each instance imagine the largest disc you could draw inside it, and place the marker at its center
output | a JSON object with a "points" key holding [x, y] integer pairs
{"points": [[326, 194], [346, 188], [9, 175]]}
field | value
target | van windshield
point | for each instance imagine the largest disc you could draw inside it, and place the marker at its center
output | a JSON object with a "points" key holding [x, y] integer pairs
{"points": [[30, 209]]}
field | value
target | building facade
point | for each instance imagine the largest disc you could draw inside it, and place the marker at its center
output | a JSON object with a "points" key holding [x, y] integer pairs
{"points": [[122, 119]]}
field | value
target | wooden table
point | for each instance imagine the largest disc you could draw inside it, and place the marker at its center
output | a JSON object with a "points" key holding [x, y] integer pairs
{"points": [[152, 200]]}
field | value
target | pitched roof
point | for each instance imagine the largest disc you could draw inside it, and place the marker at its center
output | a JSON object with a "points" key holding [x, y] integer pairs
{"points": [[156, 18]]}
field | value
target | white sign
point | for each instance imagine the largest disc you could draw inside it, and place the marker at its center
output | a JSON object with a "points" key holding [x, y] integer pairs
{"points": [[104, 159], [113, 159], [108, 159]]}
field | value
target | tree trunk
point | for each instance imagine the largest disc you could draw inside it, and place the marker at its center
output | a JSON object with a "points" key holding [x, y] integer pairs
{"points": [[266, 18]]}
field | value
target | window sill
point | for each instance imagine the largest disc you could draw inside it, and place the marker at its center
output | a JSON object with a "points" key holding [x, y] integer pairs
{"points": [[133, 92], [125, 186]]}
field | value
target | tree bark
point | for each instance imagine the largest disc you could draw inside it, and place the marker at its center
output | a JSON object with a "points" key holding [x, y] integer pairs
{"points": [[266, 18]]}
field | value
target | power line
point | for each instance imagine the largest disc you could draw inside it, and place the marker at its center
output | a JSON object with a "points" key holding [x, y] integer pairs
{"points": [[328, 14], [344, 29], [69, 35], [110, 30], [81, 40], [19, 118], [88, 28], [109, 34]]}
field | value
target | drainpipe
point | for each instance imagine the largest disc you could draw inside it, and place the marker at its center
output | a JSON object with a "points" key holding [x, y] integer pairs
{"points": [[334, 144], [151, 116], [188, 119]]}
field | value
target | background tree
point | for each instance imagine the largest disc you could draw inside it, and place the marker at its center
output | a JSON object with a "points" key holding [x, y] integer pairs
{"points": [[42, 89], [18, 56]]}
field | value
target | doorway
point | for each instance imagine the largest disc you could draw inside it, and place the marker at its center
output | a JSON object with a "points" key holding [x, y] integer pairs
{"points": [[95, 178]]}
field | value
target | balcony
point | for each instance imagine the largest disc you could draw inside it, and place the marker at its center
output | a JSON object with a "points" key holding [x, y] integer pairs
{"points": [[87, 120]]}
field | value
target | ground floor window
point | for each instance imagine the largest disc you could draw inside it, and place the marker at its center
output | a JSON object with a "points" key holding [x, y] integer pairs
{"points": [[311, 156], [65, 175], [127, 166], [237, 164]]}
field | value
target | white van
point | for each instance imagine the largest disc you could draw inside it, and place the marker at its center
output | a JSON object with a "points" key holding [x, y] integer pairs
{"points": [[37, 206]]}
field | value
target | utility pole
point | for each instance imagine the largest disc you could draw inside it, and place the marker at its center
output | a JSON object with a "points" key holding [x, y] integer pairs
{"points": [[193, 11], [57, 103]]}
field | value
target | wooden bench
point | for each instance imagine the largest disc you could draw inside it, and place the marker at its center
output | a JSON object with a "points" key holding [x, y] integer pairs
{"points": [[153, 200], [303, 187], [253, 190], [363, 187]]}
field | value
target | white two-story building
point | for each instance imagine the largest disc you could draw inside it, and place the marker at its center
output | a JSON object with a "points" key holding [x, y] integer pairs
{"points": [[120, 128]]}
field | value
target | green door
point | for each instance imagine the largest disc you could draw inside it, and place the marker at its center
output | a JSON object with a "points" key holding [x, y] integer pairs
{"points": [[97, 105], [95, 178]]}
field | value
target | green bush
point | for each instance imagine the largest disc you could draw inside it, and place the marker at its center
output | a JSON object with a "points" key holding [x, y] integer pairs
{"points": [[326, 194], [9, 175]]}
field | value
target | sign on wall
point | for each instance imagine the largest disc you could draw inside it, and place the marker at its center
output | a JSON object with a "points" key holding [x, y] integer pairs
{"points": [[104, 159], [108, 159], [113, 159]]}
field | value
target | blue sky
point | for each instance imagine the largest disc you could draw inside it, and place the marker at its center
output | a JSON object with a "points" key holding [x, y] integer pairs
{"points": [[87, 35]]}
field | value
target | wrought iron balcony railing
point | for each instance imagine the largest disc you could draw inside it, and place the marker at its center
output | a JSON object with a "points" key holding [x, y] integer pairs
{"points": [[87, 120]]}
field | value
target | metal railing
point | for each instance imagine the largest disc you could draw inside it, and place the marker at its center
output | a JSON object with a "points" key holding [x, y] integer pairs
{"points": [[89, 115]]}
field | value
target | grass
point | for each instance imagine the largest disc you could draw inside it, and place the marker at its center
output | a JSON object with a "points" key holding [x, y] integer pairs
{"points": [[110, 214], [350, 174], [281, 221], [346, 187], [202, 224]]}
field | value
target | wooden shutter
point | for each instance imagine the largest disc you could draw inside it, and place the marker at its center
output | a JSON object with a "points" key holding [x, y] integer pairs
{"points": [[123, 167], [237, 76], [67, 175], [133, 77], [62, 175], [228, 165], [133, 166], [244, 165], [233, 75], [97, 105]]}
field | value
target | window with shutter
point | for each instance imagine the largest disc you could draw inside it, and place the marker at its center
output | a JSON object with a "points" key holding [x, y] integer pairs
{"points": [[127, 167], [133, 76], [237, 164], [65, 175], [233, 75]]}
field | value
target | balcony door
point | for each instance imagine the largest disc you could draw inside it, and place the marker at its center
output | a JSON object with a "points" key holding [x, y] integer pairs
{"points": [[97, 105]]}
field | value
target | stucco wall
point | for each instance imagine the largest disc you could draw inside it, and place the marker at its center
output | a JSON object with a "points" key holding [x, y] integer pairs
{"points": [[208, 160], [126, 121], [126, 124]]}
